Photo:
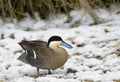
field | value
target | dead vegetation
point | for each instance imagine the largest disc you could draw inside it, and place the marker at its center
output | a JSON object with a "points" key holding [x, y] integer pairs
{"points": [[18, 8]]}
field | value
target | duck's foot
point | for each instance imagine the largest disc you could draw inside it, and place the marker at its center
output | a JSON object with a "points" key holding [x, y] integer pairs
{"points": [[49, 72], [38, 72]]}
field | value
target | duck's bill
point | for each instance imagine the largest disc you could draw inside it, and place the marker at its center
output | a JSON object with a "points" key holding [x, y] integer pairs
{"points": [[66, 44]]}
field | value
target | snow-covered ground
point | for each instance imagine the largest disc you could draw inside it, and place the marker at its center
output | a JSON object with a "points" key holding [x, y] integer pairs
{"points": [[95, 56]]}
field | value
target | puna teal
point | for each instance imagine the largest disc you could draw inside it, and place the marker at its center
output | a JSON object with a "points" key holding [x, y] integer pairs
{"points": [[45, 55]]}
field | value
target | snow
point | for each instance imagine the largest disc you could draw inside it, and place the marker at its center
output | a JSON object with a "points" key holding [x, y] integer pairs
{"points": [[95, 55]]}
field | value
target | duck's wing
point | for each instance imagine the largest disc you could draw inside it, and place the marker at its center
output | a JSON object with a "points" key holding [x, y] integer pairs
{"points": [[32, 44], [34, 48]]}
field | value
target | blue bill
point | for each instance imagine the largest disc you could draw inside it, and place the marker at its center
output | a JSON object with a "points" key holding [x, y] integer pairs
{"points": [[66, 44]]}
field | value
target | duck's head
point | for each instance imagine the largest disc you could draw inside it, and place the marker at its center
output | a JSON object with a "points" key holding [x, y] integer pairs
{"points": [[56, 41]]}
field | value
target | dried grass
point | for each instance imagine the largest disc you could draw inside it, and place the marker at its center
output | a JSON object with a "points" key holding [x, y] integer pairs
{"points": [[18, 8]]}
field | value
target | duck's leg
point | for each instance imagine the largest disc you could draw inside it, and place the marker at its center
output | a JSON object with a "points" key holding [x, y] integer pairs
{"points": [[49, 72], [38, 71]]}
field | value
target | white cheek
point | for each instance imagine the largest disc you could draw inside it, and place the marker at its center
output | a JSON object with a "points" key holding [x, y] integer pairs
{"points": [[54, 44]]}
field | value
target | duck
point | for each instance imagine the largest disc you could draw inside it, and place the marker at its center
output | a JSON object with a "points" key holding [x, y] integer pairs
{"points": [[45, 55]]}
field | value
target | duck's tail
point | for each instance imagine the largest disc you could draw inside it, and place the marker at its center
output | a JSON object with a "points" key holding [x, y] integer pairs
{"points": [[23, 58]]}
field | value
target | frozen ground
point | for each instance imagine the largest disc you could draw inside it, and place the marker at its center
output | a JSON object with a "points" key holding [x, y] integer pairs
{"points": [[94, 58]]}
